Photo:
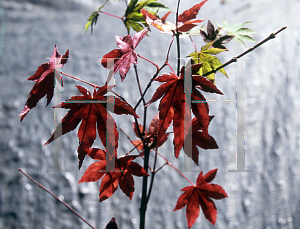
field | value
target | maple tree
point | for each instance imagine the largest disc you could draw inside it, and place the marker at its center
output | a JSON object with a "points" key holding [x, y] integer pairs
{"points": [[190, 122]]}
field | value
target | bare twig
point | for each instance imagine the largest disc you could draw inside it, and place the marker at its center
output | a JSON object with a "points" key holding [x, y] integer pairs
{"points": [[169, 163], [148, 86], [56, 197], [128, 137], [234, 59], [73, 77]]}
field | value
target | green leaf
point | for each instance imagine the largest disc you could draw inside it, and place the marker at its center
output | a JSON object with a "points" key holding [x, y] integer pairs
{"points": [[92, 20], [246, 31], [205, 47], [136, 16], [87, 25], [209, 61], [247, 38], [156, 7], [130, 7], [240, 34], [136, 25], [214, 51], [141, 5]]}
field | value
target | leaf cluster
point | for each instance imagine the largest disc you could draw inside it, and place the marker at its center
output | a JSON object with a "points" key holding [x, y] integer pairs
{"points": [[189, 121]]}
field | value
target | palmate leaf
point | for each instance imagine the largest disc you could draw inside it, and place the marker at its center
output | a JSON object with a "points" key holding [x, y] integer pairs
{"points": [[44, 79], [156, 7], [209, 61], [201, 195], [92, 20], [172, 105], [241, 34], [121, 176], [134, 18], [186, 20], [92, 116], [125, 56], [216, 36]]}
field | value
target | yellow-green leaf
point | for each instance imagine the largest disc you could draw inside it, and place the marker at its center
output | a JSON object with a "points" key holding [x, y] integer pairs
{"points": [[130, 7]]}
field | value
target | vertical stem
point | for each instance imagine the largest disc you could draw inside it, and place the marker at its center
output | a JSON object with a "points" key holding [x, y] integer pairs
{"points": [[143, 207], [153, 172], [177, 40], [178, 54]]}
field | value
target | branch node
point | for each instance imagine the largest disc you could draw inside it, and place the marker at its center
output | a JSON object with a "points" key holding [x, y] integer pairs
{"points": [[272, 36]]}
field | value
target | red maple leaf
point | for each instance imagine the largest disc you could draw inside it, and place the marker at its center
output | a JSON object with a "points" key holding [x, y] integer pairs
{"points": [[150, 135], [200, 194], [198, 139], [185, 20], [86, 109], [125, 56], [122, 175], [191, 13], [44, 78], [172, 105]]}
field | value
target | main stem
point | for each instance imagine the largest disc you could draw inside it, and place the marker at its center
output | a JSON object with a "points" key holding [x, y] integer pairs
{"points": [[144, 201], [177, 40]]}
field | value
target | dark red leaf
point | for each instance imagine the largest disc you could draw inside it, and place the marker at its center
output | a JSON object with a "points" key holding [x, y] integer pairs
{"points": [[164, 18], [191, 13], [121, 175], [200, 194], [44, 78], [91, 114], [198, 139], [114, 54]]}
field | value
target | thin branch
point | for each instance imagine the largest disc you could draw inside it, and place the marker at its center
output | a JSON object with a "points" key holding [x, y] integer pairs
{"points": [[177, 40], [234, 59], [148, 86], [167, 161], [167, 59], [155, 75], [111, 15], [149, 61], [128, 137], [171, 68], [161, 167], [56, 197], [138, 82], [193, 43], [73, 77]]}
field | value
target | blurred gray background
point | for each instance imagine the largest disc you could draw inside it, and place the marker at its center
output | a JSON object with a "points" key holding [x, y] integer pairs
{"points": [[268, 198]]}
